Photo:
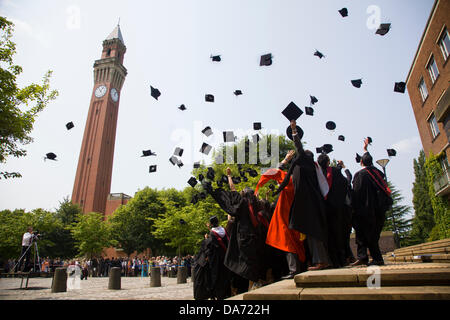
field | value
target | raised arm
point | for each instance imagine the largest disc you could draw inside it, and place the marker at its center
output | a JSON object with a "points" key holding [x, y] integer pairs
{"points": [[230, 180], [298, 143]]}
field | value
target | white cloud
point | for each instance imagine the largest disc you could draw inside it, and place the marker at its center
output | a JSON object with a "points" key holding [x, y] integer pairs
{"points": [[408, 145], [22, 27]]}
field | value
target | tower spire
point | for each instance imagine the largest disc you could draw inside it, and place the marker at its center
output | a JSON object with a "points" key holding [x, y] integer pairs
{"points": [[116, 33]]}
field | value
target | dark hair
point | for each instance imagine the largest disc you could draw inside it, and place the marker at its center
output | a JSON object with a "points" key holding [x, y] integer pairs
{"points": [[367, 160], [323, 160], [309, 154]]}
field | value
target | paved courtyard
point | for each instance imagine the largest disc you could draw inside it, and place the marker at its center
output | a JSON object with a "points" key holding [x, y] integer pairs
{"points": [[132, 288]]}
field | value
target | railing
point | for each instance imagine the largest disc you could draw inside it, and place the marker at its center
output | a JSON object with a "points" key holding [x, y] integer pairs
{"points": [[442, 182]]}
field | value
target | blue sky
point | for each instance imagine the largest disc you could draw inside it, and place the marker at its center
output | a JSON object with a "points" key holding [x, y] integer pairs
{"points": [[168, 46]]}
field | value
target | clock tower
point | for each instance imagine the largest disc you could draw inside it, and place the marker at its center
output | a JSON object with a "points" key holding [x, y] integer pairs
{"points": [[93, 178]]}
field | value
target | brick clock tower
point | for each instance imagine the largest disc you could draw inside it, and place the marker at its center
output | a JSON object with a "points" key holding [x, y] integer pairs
{"points": [[92, 184]]}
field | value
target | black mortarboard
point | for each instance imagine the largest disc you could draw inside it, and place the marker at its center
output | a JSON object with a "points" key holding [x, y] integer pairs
{"points": [[206, 148], [147, 153], [209, 98], [327, 148], [50, 156], [236, 180], [173, 160], [370, 140], [383, 29], [313, 100], [238, 92], [319, 54], [358, 158], [224, 179], [292, 112], [180, 164], [214, 221], [391, 152], [200, 177], [182, 107], [400, 87], [289, 133], [341, 138], [216, 58], [309, 111], [319, 150], [343, 12], [69, 125], [266, 60], [255, 138], [152, 168], [178, 152], [207, 131], [357, 83], [228, 136], [257, 126], [330, 125], [155, 92], [192, 182], [211, 173], [196, 165], [252, 173]]}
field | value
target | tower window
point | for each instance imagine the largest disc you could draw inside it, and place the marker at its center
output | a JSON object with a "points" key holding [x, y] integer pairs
{"points": [[108, 53]]}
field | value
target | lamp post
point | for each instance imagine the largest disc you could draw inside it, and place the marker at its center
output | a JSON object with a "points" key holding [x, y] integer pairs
{"points": [[383, 163]]}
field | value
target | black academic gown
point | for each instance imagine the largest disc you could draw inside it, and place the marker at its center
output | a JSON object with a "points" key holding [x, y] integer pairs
{"points": [[220, 275], [202, 275], [369, 216], [245, 253], [307, 213]]}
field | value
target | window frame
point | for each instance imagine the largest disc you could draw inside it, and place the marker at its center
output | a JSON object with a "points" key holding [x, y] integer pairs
{"points": [[442, 45], [423, 93], [433, 125], [431, 71]]}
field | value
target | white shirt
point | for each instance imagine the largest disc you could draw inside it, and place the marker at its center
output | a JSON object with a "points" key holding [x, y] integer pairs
{"points": [[26, 240]]}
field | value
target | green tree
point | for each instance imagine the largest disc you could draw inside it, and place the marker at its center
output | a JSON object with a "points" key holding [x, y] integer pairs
{"points": [[92, 234], [13, 225], [396, 218], [19, 107], [423, 220]]}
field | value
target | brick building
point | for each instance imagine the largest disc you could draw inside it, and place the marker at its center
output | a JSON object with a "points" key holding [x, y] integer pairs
{"points": [[428, 88]]}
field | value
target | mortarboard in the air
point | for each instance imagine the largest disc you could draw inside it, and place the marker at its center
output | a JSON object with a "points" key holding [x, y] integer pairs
{"points": [[155, 92], [200, 177], [327, 148], [358, 158], [236, 180], [206, 148], [207, 131], [178, 152], [152, 168], [50, 156], [196, 165], [341, 138], [309, 111], [257, 126], [313, 100], [319, 54], [400, 87], [370, 140], [255, 138], [209, 98], [216, 58], [357, 83], [192, 182], [182, 107], [173, 160], [228, 136], [211, 173], [252, 173], [383, 29], [319, 150], [343, 12], [266, 60], [180, 164], [391, 152], [70, 125], [292, 112], [147, 153], [224, 179], [237, 92], [330, 125], [299, 132]]}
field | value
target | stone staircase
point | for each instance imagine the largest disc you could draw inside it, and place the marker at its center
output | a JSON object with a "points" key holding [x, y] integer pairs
{"points": [[419, 272]]}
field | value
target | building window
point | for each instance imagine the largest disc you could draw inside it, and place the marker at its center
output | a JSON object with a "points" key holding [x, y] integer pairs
{"points": [[108, 53], [433, 126], [432, 69], [423, 89], [444, 44]]}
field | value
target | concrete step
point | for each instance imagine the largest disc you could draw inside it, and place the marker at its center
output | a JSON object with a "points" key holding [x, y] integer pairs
{"points": [[436, 258], [390, 275]]}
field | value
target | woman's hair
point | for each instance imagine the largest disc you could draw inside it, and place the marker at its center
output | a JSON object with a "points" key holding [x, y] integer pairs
{"points": [[367, 160], [323, 160]]}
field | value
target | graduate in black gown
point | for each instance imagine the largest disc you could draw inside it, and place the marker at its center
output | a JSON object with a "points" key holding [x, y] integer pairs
{"points": [[347, 217], [216, 249], [371, 199], [335, 208], [201, 276], [308, 213], [245, 253]]}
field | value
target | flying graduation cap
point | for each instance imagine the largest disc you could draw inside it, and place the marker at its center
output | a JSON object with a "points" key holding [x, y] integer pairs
{"points": [[173, 160], [266, 60], [257, 126], [178, 152], [330, 125], [207, 131], [383, 29], [209, 98], [325, 149], [341, 138], [391, 152], [319, 54], [237, 92], [182, 107], [358, 158], [205, 148], [309, 111], [50, 156], [400, 87], [192, 182], [228, 136], [152, 168], [210, 174], [314, 100], [292, 111], [155, 92], [216, 58], [70, 125], [357, 83], [344, 12], [147, 153]]}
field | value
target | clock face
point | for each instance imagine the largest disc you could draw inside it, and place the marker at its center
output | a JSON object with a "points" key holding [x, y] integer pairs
{"points": [[114, 95], [100, 91]]}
